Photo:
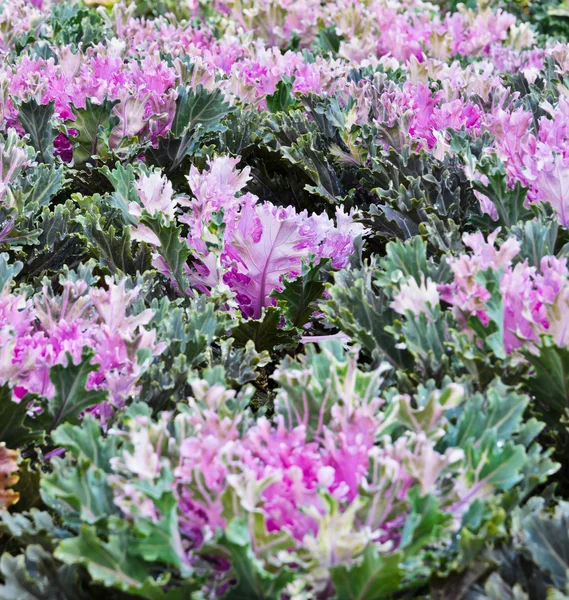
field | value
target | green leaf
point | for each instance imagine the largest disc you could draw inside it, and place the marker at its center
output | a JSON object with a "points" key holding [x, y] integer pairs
{"points": [[308, 155], [76, 24], [109, 562], [500, 409], [78, 493], [537, 239], [266, 332], [197, 112], [327, 41], [36, 119], [113, 247], [423, 413], [282, 99], [254, 581], [299, 294], [122, 179], [241, 364], [549, 381], [493, 334], [32, 527], [190, 330], [28, 486], [539, 467], [375, 578], [410, 259], [458, 584], [360, 308], [8, 270], [498, 465], [86, 442], [56, 224], [77, 486], [160, 541], [40, 186], [198, 107], [547, 539], [35, 575], [94, 124], [172, 150], [508, 200], [71, 398], [173, 249], [425, 338], [13, 432], [424, 524], [66, 252], [482, 522], [312, 383]]}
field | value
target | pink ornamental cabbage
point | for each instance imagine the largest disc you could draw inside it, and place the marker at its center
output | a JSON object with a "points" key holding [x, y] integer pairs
{"points": [[535, 300], [38, 334], [207, 453], [225, 466], [260, 243], [550, 184], [215, 456], [156, 196], [213, 190], [538, 159], [146, 92], [293, 468], [268, 243]]}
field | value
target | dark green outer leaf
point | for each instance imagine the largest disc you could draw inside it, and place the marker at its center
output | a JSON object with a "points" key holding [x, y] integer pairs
{"points": [[375, 578], [265, 332], [198, 107], [36, 119], [550, 380], [254, 582], [299, 294], [38, 576], [548, 542], [71, 398], [13, 432]]}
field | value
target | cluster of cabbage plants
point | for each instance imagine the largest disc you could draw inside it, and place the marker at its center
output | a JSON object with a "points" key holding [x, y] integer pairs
{"points": [[284, 300]]}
